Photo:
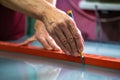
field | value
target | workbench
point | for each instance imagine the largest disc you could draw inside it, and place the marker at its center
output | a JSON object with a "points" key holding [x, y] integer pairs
{"points": [[38, 64]]}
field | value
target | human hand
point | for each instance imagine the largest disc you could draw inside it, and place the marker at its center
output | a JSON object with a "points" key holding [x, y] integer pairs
{"points": [[64, 31], [42, 36]]}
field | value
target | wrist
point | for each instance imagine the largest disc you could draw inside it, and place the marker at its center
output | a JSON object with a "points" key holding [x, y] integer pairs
{"points": [[44, 10]]}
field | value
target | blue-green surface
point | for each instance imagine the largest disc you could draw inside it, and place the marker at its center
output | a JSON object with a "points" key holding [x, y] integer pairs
{"points": [[104, 49], [15, 70], [14, 66]]}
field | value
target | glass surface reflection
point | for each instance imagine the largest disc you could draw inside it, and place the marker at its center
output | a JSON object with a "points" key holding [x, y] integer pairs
{"points": [[15, 66]]}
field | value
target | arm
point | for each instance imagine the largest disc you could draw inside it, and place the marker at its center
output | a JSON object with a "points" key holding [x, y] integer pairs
{"points": [[58, 24], [33, 8]]}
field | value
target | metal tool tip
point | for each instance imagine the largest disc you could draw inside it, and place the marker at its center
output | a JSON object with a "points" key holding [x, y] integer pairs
{"points": [[82, 58]]}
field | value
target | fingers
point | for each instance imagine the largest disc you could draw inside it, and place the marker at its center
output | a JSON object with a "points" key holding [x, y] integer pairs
{"points": [[52, 43], [57, 39], [28, 41], [44, 43], [48, 43], [63, 40], [45, 39], [76, 35], [69, 38]]}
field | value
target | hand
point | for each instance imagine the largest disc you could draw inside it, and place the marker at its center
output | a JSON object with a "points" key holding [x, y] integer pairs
{"points": [[64, 31], [42, 36]]}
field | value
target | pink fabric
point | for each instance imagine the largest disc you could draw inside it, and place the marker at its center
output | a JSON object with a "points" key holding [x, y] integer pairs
{"points": [[86, 25], [12, 24]]}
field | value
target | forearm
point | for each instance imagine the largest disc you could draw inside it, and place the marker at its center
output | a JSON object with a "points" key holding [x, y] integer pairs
{"points": [[53, 2], [33, 8]]}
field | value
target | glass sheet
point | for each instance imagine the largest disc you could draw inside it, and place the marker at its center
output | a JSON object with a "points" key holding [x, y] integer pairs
{"points": [[14, 66]]}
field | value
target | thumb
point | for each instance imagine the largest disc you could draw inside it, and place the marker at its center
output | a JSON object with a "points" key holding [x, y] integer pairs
{"points": [[28, 41]]}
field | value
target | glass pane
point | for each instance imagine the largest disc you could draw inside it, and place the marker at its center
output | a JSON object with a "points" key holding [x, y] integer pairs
{"points": [[16, 66]]}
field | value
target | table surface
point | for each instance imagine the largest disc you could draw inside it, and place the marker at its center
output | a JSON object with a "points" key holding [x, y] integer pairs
{"points": [[14, 66]]}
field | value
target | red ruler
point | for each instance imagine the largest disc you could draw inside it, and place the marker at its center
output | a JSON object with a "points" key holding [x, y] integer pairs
{"points": [[90, 59]]}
